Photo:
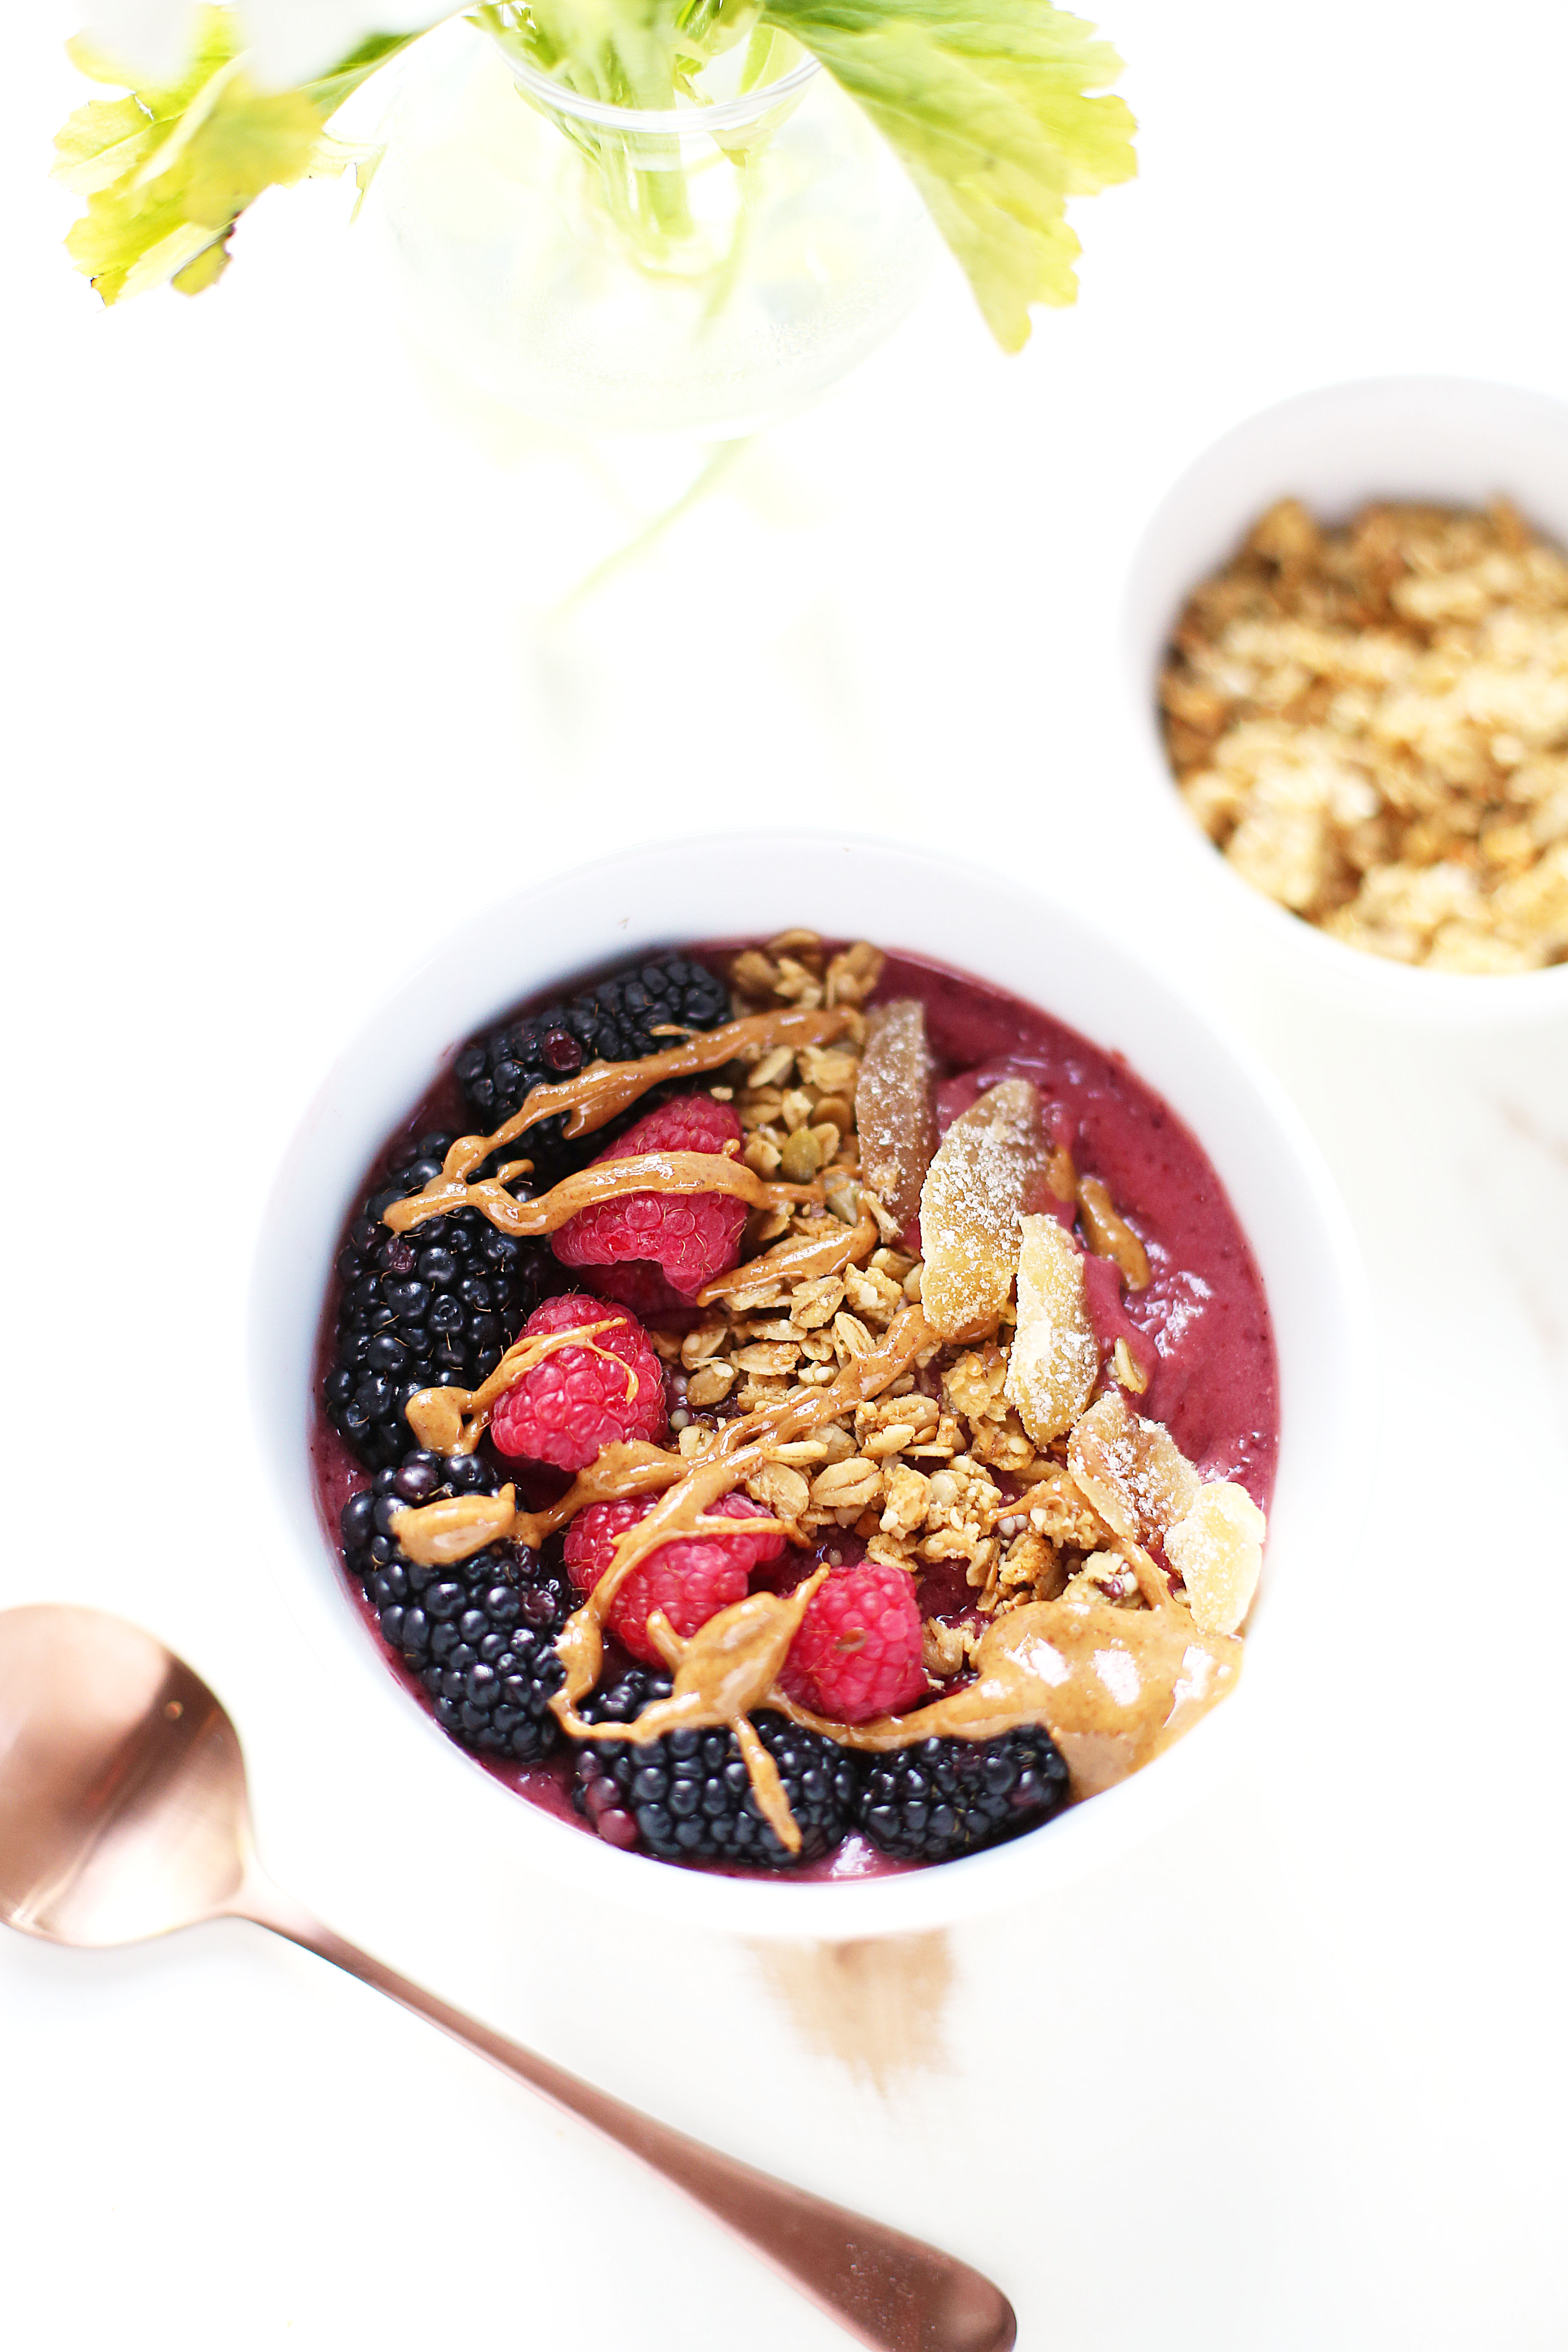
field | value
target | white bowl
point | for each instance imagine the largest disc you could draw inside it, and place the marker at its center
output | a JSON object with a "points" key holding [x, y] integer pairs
{"points": [[901, 897], [1444, 439]]}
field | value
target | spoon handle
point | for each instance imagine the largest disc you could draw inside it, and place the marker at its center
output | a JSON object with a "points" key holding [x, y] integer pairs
{"points": [[893, 2292]]}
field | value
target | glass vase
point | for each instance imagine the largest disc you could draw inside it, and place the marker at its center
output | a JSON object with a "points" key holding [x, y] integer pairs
{"points": [[601, 268]]}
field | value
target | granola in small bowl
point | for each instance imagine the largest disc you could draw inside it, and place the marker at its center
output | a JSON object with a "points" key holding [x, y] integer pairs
{"points": [[1370, 722]]}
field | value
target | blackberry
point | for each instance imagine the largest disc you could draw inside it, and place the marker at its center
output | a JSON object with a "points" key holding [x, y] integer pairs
{"points": [[480, 1633], [612, 1022], [430, 1308], [946, 1797], [687, 1797]]}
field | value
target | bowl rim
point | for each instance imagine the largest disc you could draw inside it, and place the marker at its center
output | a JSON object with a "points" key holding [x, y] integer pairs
{"points": [[1329, 1275], [1502, 412]]}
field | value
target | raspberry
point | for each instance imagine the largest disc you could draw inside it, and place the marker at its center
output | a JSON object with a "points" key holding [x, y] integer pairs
{"points": [[646, 1289], [571, 1406], [857, 1652], [691, 1578], [692, 1236]]}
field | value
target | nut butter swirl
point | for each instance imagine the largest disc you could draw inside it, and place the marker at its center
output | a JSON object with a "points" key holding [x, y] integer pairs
{"points": [[436, 1534], [803, 1257], [1112, 1687], [595, 1096], [453, 1420], [607, 1180]]}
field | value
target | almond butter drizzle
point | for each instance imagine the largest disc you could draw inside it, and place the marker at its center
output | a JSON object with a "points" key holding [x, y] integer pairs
{"points": [[1112, 1687], [593, 1097], [590, 1101], [607, 1180], [1109, 1235], [453, 1420], [436, 1534], [804, 1257], [1062, 1175]]}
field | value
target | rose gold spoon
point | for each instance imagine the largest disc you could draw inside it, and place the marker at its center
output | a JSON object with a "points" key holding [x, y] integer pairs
{"points": [[123, 1814]]}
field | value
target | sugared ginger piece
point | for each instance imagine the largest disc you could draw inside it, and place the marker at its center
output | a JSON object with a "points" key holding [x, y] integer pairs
{"points": [[1146, 1490], [1132, 1470], [1217, 1547], [988, 1173], [1055, 1358], [894, 1116]]}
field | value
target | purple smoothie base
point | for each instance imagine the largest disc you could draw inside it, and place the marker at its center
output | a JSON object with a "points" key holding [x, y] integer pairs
{"points": [[1201, 1330]]}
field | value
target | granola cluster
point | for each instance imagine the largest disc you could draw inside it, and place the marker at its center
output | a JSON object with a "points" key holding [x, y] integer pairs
{"points": [[939, 1474], [1373, 724]]}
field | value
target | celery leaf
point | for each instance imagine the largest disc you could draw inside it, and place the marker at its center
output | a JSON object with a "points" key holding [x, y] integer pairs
{"points": [[987, 104], [167, 172]]}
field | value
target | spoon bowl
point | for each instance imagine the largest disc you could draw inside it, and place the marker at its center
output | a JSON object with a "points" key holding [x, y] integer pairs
{"points": [[124, 1815], [123, 1811]]}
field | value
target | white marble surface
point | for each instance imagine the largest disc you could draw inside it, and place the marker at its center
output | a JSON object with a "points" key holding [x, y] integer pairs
{"points": [[281, 656]]}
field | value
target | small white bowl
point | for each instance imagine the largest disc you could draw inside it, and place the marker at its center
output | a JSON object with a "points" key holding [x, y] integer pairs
{"points": [[1446, 440], [648, 897]]}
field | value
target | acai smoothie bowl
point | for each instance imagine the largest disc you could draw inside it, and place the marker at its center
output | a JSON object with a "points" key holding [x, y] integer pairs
{"points": [[816, 1411]]}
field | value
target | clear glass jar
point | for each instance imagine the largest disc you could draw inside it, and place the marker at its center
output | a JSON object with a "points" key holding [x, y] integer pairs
{"points": [[619, 270]]}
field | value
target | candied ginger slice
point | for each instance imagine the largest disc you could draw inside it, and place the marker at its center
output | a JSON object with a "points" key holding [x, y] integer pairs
{"points": [[1055, 1359], [1133, 1470], [893, 1110], [989, 1168], [1217, 1547]]}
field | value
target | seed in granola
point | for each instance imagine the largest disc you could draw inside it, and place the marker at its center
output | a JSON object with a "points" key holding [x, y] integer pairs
{"points": [[801, 1157], [710, 1385]]}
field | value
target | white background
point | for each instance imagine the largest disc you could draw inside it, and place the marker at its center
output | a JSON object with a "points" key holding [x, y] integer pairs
{"points": [[286, 695]]}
